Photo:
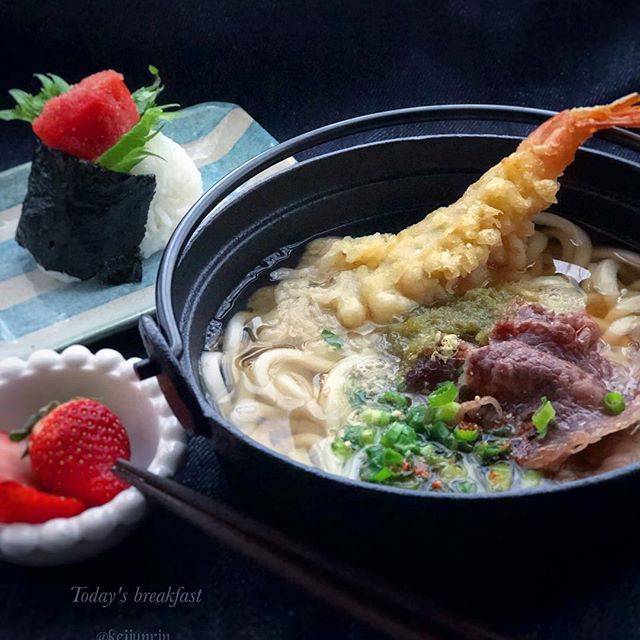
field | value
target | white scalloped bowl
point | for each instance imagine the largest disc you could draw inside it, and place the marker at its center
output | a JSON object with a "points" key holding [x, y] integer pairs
{"points": [[158, 443]]}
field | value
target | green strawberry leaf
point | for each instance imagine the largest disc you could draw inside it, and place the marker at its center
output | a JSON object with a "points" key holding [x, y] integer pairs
{"points": [[25, 431]]}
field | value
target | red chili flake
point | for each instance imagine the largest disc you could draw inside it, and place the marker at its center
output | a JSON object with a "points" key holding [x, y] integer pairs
{"points": [[406, 465], [421, 470], [437, 485]]}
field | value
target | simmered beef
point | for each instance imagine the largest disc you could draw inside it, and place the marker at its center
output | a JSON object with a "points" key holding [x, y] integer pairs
{"points": [[616, 450], [539, 353], [428, 372], [568, 335], [514, 368]]}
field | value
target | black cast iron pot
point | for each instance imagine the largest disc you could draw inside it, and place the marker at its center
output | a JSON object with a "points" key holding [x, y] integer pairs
{"points": [[384, 186]]}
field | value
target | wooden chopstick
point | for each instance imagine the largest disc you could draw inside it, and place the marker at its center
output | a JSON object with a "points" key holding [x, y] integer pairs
{"points": [[365, 597]]}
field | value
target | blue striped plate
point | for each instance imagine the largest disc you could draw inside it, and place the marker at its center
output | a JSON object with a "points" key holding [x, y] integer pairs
{"points": [[37, 311]]}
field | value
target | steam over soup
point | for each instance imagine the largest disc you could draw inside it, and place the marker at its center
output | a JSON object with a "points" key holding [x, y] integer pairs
{"points": [[486, 348]]}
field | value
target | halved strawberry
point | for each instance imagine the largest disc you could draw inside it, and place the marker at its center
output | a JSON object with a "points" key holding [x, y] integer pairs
{"points": [[13, 464], [19, 503], [73, 447]]}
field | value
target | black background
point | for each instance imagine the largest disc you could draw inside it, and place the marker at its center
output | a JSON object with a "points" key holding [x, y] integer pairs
{"points": [[294, 66]]}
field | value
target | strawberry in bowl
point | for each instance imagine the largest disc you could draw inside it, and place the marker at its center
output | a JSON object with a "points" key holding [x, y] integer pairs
{"points": [[73, 447], [20, 503], [59, 500], [14, 465]]}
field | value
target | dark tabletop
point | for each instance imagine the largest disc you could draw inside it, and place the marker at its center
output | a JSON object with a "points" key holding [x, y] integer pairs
{"points": [[294, 66]]}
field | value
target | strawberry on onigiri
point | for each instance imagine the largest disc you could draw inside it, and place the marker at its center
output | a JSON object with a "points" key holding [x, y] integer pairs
{"points": [[89, 118]]}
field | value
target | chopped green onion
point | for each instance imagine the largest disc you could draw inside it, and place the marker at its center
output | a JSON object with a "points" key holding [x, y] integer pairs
{"points": [[375, 463], [375, 455], [531, 478], [434, 457], [466, 433], [352, 433], [614, 402], [488, 451], [332, 339], [368, 436], [464, 486], [429, 452], [394, 399], [439, 432], [543, 417], [341, 449], [392, 457], [381, 456], [399, 435], [500, 476], [453, 471], [376, 417], [382, 475], [379, 460], [448, 412], [358, 435], [418, 416], [447, 392]]}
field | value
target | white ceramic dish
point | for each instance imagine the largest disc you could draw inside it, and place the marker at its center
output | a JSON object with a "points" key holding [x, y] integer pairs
{"points": [[158, 443]]}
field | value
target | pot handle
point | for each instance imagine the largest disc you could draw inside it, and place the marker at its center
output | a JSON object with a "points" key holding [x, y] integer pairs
{"points": [[163, 364]]}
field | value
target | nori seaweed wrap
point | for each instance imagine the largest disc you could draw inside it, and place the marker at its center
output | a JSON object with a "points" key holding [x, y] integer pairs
{"points": [[83, 220]]}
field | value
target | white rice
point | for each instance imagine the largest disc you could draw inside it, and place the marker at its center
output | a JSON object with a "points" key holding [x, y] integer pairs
{"points": [[178, 186], [58, 275]]}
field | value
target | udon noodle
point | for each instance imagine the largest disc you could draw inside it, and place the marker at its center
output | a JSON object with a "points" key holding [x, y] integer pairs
{"points": [[323, 365], [258, 386]]}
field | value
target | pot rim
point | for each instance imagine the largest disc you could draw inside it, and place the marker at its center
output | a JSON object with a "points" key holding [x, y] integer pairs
{"points": [[189, 225], [311, 139]]}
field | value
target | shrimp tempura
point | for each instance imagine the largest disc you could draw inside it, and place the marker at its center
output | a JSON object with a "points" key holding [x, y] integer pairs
{"points": [[383, 276]]}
